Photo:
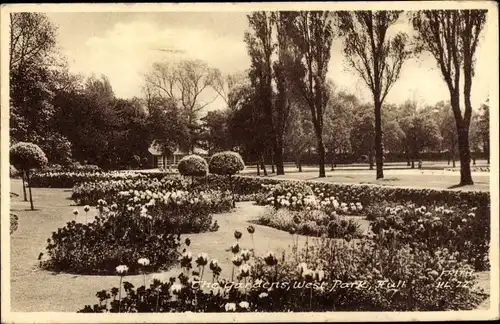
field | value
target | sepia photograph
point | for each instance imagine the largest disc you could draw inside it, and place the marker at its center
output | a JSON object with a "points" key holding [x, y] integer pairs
{"points": [[220, 162]]}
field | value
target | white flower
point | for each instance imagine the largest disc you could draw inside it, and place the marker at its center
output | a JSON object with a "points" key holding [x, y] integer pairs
{"points": [[202, 259], [244, 304], [176, 288], [143, 261], [121, 269], [302, 267], [245, 270], [230, 307], [308, 275], [263, 295], [319, 275]]}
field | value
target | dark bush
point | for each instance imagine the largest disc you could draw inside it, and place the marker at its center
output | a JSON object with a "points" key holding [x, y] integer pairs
{"points": [[193, 166]]}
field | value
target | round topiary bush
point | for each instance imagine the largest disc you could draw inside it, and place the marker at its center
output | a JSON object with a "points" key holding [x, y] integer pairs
{"points": [[193, 165], [227, 163], [26, 157]]}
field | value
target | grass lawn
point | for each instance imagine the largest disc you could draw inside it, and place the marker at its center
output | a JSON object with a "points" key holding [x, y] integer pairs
{"points": [[33, 289]]}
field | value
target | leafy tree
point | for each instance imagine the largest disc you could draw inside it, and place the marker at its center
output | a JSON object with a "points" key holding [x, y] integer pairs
{"points": [[35, 75], [185, 83], [338, 124], [300, 134], [167, 125], [261, 47], [26, 157], [216, 131], [58, 149], [452, 37], [362, 134], [375, 57], [421, 132], [248, 125], [483, 125], [88, 119], [313, 36]]}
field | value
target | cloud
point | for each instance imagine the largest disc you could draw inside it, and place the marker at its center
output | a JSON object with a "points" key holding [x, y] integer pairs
{"points": [[126, 51]]}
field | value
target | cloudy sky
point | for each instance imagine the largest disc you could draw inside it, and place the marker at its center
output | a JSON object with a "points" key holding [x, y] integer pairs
{"points": [[124, 45]]}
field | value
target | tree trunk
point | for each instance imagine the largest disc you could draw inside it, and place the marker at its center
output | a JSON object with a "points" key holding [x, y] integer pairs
{"points": [[379, 150], [24, 185], [278, 153], [258, 167], [272, 163], [370, 159], [413, 164], [29, 187], [232, 190], [332, 161], [299, 164], [321, 153], [263, 165], [408, 160], [464, 153]]}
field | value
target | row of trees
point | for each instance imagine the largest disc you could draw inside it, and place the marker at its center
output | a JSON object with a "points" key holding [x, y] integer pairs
{"points": [[290, 53], [349, 130]]}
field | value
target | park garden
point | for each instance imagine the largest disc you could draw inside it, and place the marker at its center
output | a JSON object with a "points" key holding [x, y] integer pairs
{"points": [[398, 249], [96, 226]]}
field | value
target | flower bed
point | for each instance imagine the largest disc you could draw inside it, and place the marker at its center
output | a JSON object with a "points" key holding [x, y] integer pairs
{"points": [[327, 276], [365, 194], [88, 193], [137, 225], [462, 231], [311, 223], [69, 179], [247, 186]]}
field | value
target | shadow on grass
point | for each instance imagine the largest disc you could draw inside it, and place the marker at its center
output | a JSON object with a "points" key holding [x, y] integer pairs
{"points": [[456, 186]]}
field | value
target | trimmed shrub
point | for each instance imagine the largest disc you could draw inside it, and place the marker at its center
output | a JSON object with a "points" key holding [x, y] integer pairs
{"points": [[226, 163], [26, 157], [193, 166]]}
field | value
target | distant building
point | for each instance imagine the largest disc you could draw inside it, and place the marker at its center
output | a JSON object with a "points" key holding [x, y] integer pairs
{"points": [[161, 160]]}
